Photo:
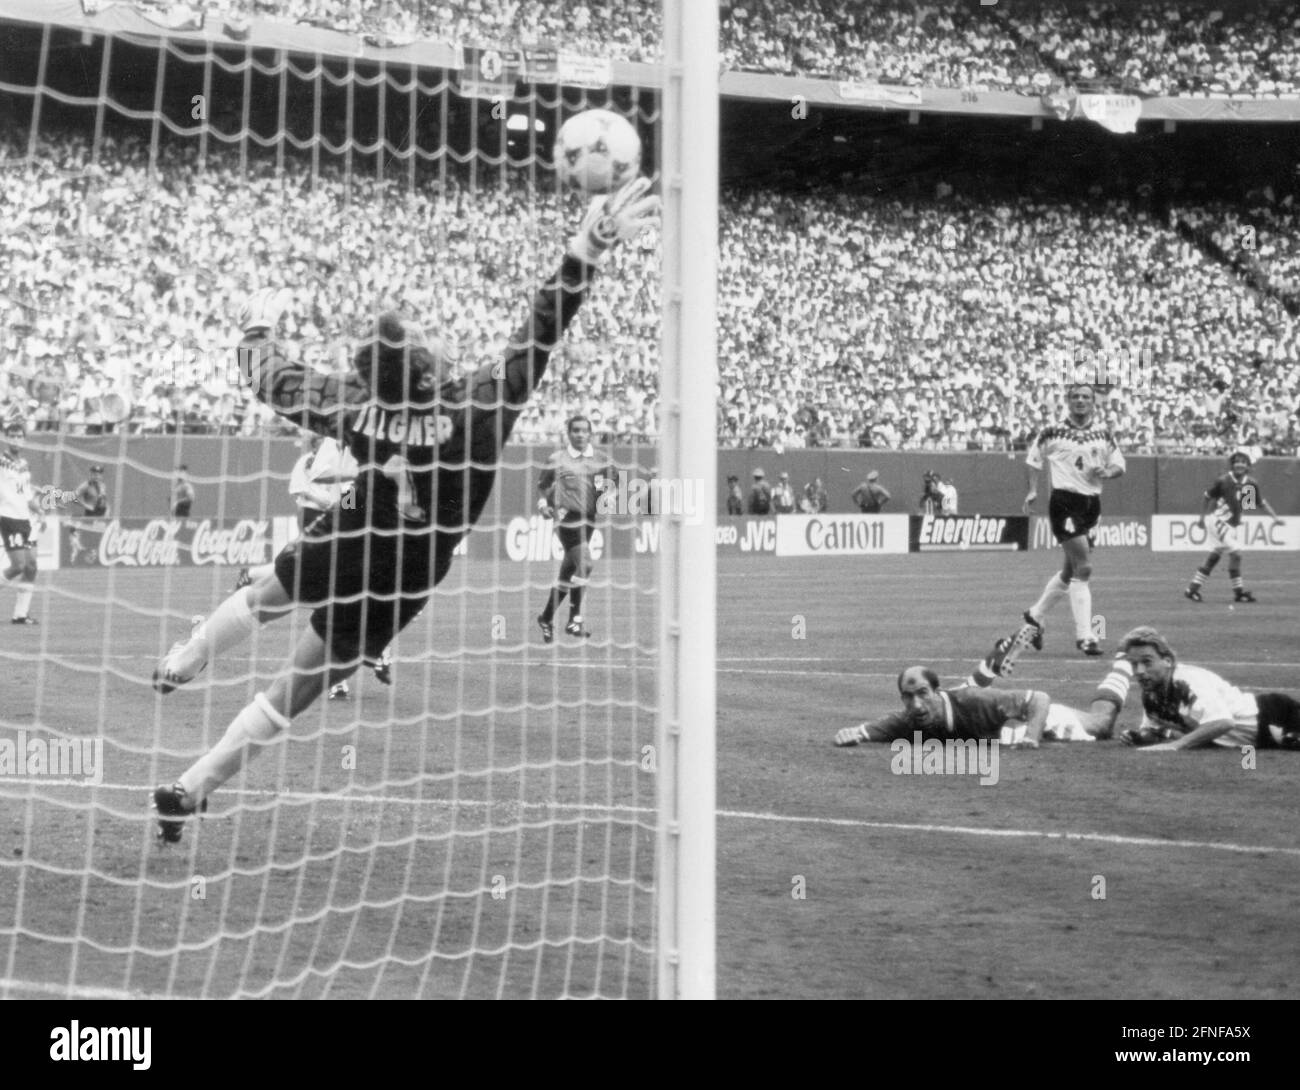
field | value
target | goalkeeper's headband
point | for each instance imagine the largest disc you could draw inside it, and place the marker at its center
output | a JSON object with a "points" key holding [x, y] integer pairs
{"points": [[1146, 636]]}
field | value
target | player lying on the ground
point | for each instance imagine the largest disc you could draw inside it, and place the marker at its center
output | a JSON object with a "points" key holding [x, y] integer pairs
{"points": [[1186, 707], [1014, 717], [427, 444], [1234, 492], [17, 512]]}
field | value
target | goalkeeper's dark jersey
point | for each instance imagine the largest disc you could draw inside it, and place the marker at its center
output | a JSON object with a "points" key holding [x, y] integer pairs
{"points": [[969, 712], [428, 463]]}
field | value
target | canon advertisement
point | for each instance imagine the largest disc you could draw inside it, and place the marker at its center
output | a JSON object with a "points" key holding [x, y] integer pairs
{"points": [[840, 535]]}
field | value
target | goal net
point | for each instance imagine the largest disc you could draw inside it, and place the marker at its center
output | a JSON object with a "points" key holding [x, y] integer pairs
{"points": [[494, 822]]}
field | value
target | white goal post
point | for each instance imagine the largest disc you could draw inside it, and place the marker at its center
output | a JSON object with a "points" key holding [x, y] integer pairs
{"points": [[686, 725]]}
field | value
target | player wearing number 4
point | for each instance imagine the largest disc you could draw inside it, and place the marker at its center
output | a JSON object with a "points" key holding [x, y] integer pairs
{"points": [[1080, 454], [1230, 494], [427, 445]]}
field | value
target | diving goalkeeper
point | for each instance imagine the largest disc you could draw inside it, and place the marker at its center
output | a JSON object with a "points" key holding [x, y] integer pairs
{"points": [[427, 445]]}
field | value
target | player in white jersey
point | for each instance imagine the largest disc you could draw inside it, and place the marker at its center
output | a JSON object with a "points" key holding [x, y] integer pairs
{"points": [[1080, 453], [17, 503], [1188, 707]]}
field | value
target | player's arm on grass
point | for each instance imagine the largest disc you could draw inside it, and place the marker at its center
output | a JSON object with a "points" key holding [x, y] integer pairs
{"points": [[1203, 735], [879, 730]]}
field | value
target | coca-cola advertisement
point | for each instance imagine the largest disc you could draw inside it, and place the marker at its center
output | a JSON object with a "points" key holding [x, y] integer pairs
{"points": [[164, 542]]}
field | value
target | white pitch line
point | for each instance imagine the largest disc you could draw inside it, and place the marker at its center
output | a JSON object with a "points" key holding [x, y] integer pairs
{"points": [[77, 991], [738, 815]]}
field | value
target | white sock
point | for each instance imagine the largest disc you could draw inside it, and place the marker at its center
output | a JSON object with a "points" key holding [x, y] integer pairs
{"points": [[1055, 590], [1115, 685], [1081, 607], [231, 623], [23, 602], [256, 725], [261, 571]]}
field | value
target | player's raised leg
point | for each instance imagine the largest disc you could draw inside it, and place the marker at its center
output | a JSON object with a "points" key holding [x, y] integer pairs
{"points": [[232, 622], [1079, 558], [257, 725], [1202, 574]]}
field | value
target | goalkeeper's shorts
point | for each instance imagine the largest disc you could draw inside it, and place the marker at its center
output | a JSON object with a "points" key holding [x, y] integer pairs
{"points": [[367, 584]]}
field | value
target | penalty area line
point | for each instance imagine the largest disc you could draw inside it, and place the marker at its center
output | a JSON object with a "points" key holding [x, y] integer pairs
{"points": [[1024, 834], [10, 985]]}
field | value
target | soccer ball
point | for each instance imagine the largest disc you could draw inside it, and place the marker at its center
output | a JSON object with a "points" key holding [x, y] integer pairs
{"points": [[597, 151]]}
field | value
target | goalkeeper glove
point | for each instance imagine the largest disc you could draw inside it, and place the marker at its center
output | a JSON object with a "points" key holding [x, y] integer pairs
{"points": [[264, 309], [545, 509], [618, 217]]}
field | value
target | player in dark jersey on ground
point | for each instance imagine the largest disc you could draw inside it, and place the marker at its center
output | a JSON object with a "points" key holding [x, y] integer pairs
{"points": [[959, 713], [571, 486], [427, 444], [1229, 495], [1080, 454]]}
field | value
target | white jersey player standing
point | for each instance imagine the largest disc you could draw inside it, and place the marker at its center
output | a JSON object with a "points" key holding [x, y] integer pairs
{"points": [[17, 505], [1080, 453]]}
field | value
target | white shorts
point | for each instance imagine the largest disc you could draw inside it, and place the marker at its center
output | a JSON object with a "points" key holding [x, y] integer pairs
{"points": [[1220, 535], [1064, 725]]}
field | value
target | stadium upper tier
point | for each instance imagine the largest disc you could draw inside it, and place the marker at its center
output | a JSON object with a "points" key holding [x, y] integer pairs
{"points": [[1161, 48], [945, 323]]}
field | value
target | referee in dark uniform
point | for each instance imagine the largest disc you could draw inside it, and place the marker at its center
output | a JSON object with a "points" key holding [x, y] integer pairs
{"points": [[571, 485]]}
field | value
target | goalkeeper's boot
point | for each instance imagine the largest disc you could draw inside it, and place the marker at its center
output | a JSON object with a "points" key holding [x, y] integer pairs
{"points": [[576, 628], [174, 804], [1036, 642], [24, 620], [1243, 596], [1193, 594], [242, 580], [340, 691], [383, 668], [169, 676], [548, 629], [1089, 647]]}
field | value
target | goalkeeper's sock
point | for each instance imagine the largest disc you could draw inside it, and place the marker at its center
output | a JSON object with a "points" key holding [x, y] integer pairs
{"points": [[231, 623], [257, 725], [23, 602], [1081, 607], [261, 571], [558, 595], [575, 602], [1055, 590]]}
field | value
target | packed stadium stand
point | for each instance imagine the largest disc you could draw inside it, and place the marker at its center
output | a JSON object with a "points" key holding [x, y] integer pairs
{"points": [[1156, 48]]}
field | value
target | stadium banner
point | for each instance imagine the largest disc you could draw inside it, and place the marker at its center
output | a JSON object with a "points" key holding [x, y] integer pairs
{"points": [[879, 94], [748, 536], [1114, 113], [164, 542], [1112, 532], [1180, 534], [947, 533], [593, 73], [840, 535], [490, 73]]}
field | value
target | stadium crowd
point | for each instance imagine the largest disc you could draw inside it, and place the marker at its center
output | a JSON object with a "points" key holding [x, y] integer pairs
{"points": [[937, 324], [1158, 47]]}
